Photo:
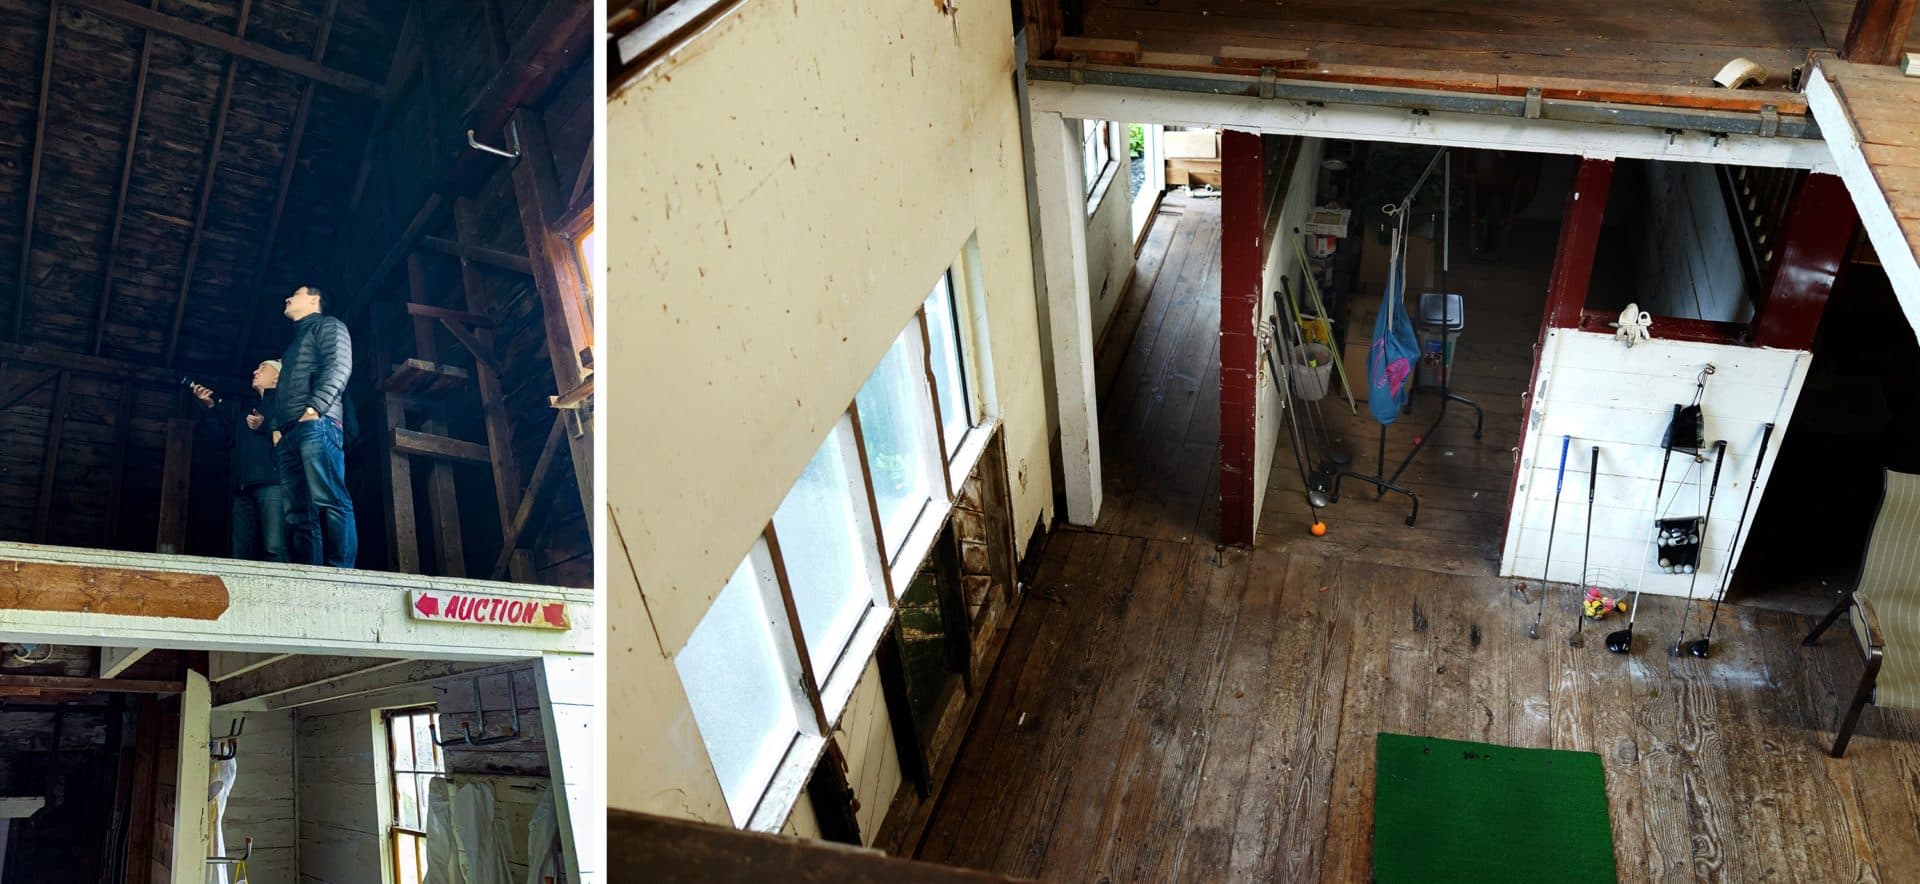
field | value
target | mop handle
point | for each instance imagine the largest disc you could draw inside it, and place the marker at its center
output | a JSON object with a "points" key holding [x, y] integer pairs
{"points": [[1559, 481]]}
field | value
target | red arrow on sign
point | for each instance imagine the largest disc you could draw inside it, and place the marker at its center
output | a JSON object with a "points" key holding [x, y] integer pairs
{"points": [[555, 614], [428, 606]]}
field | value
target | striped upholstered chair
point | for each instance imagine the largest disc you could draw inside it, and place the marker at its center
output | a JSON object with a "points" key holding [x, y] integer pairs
{"points": [[1885, 607]]}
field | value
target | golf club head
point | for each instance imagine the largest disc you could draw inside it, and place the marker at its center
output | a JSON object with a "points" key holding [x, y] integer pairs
{"points": [[1533, 632], [1318, 499], [1698, 648], [1576, 640], [1339, 455], [1620, 642]]}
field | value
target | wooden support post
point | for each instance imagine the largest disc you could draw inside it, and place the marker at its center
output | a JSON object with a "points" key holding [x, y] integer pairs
{"points": [[21, 286], [117, 473], [175, 481], [557, 277], [403, 541], [1878, 31], [1062, 198], [190, 782], [143, 771], [1579, 241], [206, 187], [50, 462], [493, 406], [537, 493], [443, 499], [1819, 227], [1242, 221], [567, 701]]}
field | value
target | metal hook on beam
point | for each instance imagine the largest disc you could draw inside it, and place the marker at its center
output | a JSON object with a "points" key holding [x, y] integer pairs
{"points": [[480, 714], [513, 138], [231, 741], [245, 855]]}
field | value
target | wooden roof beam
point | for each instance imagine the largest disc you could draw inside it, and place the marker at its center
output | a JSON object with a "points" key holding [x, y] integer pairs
{"points": [[126, 178], [33, 169], [238, 46], [104, 366], [1878, 31], [206, 187], [287, 166]]}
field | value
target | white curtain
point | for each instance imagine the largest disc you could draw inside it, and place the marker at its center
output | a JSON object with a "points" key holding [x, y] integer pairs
{"points": [[219, 786], [543, 842], [462, 845]]}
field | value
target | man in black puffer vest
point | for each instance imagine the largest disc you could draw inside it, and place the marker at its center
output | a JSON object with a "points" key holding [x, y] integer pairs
{"points": [[310, 415]]}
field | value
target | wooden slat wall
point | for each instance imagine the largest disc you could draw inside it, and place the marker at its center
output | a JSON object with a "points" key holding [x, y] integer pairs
{"points": [[262, 803]]}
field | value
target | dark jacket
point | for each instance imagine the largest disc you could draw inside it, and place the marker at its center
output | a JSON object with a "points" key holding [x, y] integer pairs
{"points": [[314, 371], [251, 461]]}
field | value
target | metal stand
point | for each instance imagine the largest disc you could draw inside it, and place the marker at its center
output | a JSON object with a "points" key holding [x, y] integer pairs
{"points": [[1446, 357], [1383, 485]]}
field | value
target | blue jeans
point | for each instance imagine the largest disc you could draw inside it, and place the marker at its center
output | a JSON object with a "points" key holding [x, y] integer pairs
{"points": [[313, 473], [260, 523]]}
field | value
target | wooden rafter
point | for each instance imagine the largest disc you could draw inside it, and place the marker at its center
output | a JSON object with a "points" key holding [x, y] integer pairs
{"points": [[33, 170], [479, 255], [206, 187], [50, 462], [235, 45], [399, 71], [126, 178], [25, 387], [288, 165], [106, 366]]}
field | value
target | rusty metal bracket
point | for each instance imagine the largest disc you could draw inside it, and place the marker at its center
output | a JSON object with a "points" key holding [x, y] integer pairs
{"points": [[513, 138], [1769, 120], [1077, 70], [1533, 103], [1269, 82]]}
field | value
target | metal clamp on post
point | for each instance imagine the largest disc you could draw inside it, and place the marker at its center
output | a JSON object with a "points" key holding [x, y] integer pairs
{"points": [[1269, 81], [223, 748], [1533, 103], [1769, 120], [513, 138]]}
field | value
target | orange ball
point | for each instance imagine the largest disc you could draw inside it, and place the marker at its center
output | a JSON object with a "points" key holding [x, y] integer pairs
{"points": [[1319, 529]]}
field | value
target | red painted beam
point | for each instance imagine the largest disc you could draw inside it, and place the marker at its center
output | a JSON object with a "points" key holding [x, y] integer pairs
{"points": [[1242, 221], [1579, 240], [1820, 224]]}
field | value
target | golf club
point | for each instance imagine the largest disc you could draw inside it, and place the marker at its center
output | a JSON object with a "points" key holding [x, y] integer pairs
{"points": [[1329, 452], [1552, 524], [1315, 499], [1699, 648], [1315, 437], [1578, 639], [1719, 457]]}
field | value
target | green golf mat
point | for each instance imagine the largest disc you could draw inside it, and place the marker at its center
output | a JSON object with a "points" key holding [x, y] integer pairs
{"points": [[1446, 810]]}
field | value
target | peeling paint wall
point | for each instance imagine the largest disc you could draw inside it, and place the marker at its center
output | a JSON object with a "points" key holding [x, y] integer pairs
{"points": [[790, 184]]}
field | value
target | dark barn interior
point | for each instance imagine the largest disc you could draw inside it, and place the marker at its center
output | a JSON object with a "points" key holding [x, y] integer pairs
{"points": [[170, 170]]}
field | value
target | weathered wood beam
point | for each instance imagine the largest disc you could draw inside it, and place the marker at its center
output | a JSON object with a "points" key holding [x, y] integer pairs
{"points": [[582, 195], [206, 187], [396, 469], [175, 472], [33, 169], [482, 353], [479, 255], [108, 367], [538, 490], [294, 673], [1877, 33], [288, 165], [222, 665], [75, 589], [448, 314], [25, 387], [399, 72], [411, 673], [120, 192], [215, 39], [499, 424], [114, 661], [50, 461], [1586, 207], [117, 473], [358, 296], [1813, 242], [65, 684], [560, 37], [432, 445]]}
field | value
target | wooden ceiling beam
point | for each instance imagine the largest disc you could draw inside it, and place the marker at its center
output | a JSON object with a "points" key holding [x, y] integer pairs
{"points": [[105, 366], [206, 187], [251, 315], [25, 387], [120, 195], [157, 21], [33, 169]]}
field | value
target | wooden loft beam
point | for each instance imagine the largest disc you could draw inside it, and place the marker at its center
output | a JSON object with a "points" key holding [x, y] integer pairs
{"points": [[25, 387], [33, 170], [61, 684], [103, 366], [50, 462], [437, 446], [293, 673], [206, 187], [554, 42], [288, 164], [264, 607], [158, 21], [479, 254], [126, 178], [1878, 31]]}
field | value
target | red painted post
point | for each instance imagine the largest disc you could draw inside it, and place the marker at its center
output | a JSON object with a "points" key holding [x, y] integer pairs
{"points": [[1819, 227], [1579, 240], [1242, 215]]}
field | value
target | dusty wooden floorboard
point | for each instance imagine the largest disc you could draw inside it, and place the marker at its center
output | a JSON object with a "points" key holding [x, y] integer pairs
{"points": [[1171, 711]]}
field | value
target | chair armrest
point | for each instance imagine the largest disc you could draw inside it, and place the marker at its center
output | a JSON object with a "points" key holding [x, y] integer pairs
{"points": [[1875, 638]]}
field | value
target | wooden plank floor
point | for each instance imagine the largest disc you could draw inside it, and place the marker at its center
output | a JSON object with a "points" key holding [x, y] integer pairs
{"points": [[1166, 710], [1649, 42], [1883, 106]]}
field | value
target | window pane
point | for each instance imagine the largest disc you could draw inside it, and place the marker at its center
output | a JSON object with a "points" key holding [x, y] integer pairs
{"points": [[955, 414], [734, 670], [407, 857], [423, 792], [406, 797], [400, 734], [897, 426], [828, 547], [423, 745]]}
